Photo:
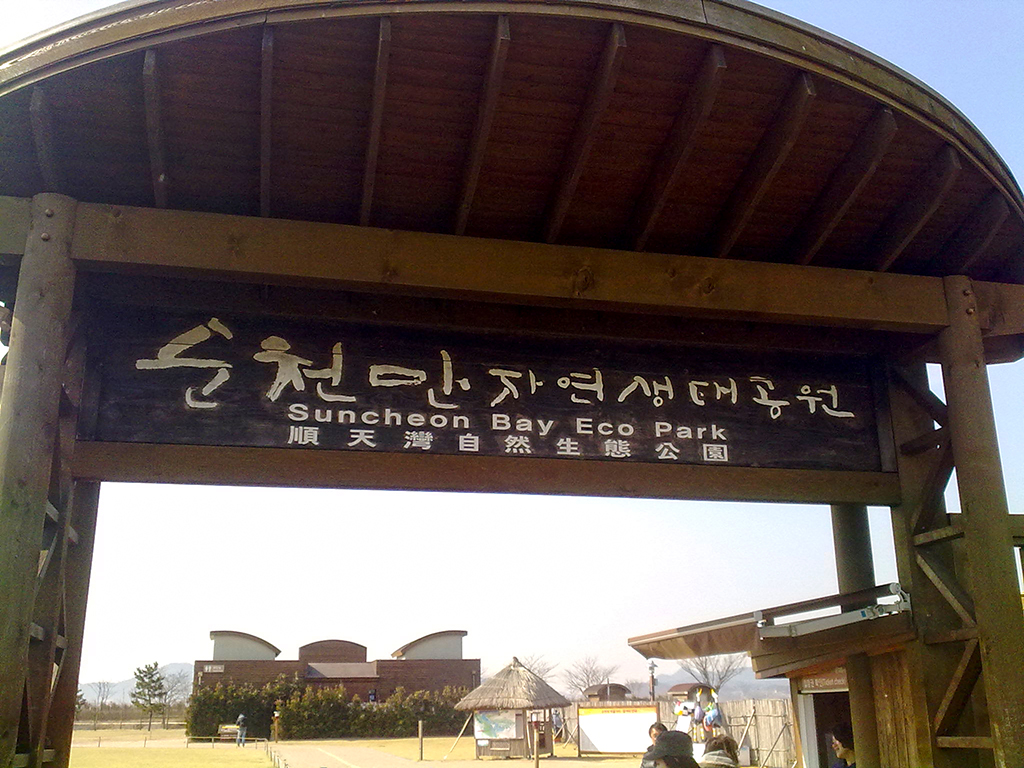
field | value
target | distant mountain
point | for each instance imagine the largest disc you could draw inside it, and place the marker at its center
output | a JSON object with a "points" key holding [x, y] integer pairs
{"points": [[120, 690]]}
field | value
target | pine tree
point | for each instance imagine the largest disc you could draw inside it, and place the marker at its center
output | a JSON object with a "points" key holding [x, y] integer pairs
{"points": [[150, 692]]}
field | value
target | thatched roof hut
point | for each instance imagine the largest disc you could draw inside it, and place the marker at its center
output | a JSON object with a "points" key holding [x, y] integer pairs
{"points": [[515, 687]]}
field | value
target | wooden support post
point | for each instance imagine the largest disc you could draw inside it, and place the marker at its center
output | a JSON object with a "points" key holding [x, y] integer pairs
{"points": [[28, 423], [84, 505], [984, 519], [856, 571], [928, 667]]}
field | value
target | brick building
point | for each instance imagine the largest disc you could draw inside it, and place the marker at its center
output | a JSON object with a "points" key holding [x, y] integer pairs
{"points": [[427, 664]]}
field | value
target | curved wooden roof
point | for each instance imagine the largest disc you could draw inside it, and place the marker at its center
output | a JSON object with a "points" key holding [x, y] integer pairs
{"points": [[699, 127]]}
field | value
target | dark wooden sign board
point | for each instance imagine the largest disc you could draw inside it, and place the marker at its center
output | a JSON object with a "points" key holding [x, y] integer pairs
{"points": [[191, 379]]}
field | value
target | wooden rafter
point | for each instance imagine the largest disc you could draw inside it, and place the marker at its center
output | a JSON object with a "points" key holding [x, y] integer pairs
{"points": [[41, 118], [845, 184], [768, 158], [682, 138], [947, 585], [266, 116], [380, 82], [959, 689], [966, 247], [484, 118], [155, 128], [927, 515], [902, 226], [601, 87]]}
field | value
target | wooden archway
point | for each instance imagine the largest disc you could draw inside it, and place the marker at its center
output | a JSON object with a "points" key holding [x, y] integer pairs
{"points": [[708, 177]]}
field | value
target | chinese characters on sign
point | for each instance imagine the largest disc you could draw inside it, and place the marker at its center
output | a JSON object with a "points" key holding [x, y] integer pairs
{"points": [[281, 383]]}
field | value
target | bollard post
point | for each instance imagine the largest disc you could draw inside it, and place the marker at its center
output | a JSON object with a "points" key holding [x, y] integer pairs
{"points": [[420, 729]]}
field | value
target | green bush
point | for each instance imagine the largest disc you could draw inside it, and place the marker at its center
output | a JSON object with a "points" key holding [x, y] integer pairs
{"points": [[311, 712]]}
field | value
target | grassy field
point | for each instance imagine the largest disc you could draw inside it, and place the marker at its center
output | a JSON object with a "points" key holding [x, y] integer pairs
{"points": [[137, 757]]}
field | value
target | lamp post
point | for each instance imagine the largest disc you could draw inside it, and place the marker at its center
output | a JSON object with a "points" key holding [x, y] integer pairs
{"points": [[652, 667]]}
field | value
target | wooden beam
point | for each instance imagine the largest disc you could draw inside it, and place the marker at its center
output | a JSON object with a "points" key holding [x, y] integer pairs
{"points": [[929, 440], [927, 400], [1002, 308], [844, 186], [902, 226], [484, 118], [959, 689], [966, 247], [266, 116], [945, 582], [938, 535], [951, 636], [484, 474], [681, 140], [155, 128], [766, 161], [601, 87], [15, 220], [964, 742], [926, 515], [119, 239], [380, 82], [41, 118]]}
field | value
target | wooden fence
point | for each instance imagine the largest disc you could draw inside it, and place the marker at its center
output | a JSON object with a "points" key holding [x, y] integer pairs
{"points": [[770, 735]]}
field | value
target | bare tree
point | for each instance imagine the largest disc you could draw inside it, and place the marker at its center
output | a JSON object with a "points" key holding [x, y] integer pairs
{"points": [[177, 689], [585, 672], [102, 691], [540, 666], [715, 671]]}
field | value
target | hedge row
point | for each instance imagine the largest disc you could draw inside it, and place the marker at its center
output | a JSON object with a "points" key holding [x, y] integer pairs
{"points": [[323, 713]]}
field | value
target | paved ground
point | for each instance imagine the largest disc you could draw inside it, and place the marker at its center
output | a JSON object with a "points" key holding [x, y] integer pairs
{"points": [[313, 754]]}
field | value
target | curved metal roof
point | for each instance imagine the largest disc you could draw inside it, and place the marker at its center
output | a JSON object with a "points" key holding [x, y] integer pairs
{"points": [[700, 127], [404, 650]]}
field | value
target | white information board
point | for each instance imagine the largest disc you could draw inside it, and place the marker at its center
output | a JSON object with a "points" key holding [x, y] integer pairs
{"points": [[616, 729]]}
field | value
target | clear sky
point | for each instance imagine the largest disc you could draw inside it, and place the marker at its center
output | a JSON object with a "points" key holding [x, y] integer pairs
{"points": [[524, 575]]}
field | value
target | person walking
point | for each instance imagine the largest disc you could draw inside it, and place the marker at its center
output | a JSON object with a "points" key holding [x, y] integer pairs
{"points": [[240, 734]]}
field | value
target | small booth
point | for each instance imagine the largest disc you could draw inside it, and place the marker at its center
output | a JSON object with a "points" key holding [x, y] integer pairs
{"points": [[810, 643], [512, 713]]}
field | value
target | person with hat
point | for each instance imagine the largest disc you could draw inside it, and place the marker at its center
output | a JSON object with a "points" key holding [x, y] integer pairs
{"points": [[673, 749]]}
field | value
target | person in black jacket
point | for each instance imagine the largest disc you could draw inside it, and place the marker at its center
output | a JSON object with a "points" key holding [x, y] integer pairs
{"points": [[672, 749], [654, 731]]}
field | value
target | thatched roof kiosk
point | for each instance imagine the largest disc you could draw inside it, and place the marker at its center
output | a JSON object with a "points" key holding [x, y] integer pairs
{"points": [[513, 689]]}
